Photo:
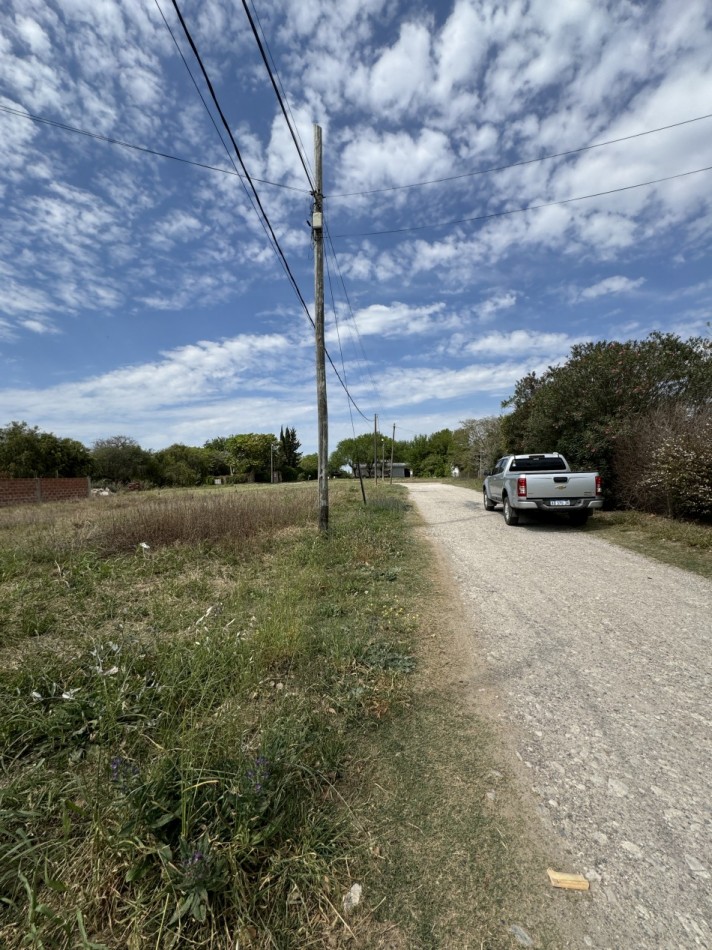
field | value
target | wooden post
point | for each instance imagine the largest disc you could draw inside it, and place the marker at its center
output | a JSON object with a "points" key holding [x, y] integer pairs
{"points": [[375, 449], [393, 442], [322, 415]]}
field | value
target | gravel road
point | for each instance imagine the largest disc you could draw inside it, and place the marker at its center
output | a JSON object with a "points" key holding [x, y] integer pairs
{"points": [[601, 663]]}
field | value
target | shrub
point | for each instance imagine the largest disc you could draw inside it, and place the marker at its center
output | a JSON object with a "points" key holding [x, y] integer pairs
{"points": [[664, 464]]}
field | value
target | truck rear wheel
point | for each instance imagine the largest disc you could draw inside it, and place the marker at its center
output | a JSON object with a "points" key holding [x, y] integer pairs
{"points": [[510, 516], [579, 518]]}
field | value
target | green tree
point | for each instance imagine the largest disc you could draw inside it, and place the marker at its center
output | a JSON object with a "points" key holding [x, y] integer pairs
{"points": [[431, 456], [353, 451], [27, 452], [251, 454], [309, 466], [602, 394], [290, 446], [121, 459], [182, 465], [219, 459]]}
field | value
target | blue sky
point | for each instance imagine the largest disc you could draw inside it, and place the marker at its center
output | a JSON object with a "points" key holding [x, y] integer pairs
{"points": [[139, 295]]}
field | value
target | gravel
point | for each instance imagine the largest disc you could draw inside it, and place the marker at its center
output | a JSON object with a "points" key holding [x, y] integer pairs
{"points": [[601, 664]]}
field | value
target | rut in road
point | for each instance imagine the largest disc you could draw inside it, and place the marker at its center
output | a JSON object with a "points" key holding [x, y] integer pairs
{"points": [[601, 661]]}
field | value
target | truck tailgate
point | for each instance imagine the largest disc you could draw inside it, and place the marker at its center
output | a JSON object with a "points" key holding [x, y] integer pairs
{"points": [[561, 485]]}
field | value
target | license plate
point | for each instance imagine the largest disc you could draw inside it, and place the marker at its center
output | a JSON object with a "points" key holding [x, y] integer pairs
{"points": [[559, 501]]}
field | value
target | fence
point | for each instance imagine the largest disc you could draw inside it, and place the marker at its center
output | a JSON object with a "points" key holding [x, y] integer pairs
{"points": [[28, 491]]}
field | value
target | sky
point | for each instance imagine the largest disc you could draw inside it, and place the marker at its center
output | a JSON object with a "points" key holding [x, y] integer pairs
{"points": [[140, 295]]}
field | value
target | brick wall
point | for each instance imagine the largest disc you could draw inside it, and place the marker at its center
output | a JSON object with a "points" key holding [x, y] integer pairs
{"points": [[27, 491]]}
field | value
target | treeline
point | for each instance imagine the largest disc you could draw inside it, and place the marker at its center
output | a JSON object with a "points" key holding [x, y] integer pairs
{"points": [[26, 452], [427, 456], [639, 412]]}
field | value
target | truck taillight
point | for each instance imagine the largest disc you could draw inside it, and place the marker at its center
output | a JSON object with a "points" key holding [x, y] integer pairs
{"points": [[522, 486], [599, 486]]}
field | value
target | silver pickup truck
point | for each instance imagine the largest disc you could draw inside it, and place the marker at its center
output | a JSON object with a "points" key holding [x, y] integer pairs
{"points": [[545, 482]]}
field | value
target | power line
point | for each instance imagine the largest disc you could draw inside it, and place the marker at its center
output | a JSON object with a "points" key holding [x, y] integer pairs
{"points": [[338, 337], [528, 161], [546, 204], [277, 92], [279, 80], [137, 148], [266, 222], [351, 311], [226, 125]]}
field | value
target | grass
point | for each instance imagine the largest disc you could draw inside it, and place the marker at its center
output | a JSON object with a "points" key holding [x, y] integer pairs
{"points": [[175, 719], [192, 733], [684, 544]]}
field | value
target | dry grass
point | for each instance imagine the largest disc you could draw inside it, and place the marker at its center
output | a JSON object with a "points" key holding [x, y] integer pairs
{"points": [[174, 721]]}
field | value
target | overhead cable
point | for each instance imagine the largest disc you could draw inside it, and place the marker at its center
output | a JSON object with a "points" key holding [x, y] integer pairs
{"points": [[279, 80], [351, 311], [280, 100], [226, 125], [138, 148], [528, 161], [502, 214], [263, 214]]}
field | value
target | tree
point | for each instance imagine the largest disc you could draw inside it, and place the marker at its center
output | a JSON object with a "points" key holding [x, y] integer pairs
{"points": [[431, 456], [182, 465], [218, 456], [309, 466], [351, 452], [290, 445], [478, 444], [251, 454], [120, 459], [602, 395], [28, 453]]}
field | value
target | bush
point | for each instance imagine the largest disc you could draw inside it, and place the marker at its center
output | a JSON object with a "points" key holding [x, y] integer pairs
{"points": [[664, 466]]}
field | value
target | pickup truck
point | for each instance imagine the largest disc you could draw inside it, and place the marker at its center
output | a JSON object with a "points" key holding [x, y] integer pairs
{"points": [[544, 482]]}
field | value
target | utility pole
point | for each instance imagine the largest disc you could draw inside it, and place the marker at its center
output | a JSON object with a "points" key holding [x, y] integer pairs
{"points": [[393, 443], [322, 417], [375, 448]]}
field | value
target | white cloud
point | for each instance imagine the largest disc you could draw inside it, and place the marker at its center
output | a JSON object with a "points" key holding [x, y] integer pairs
{"points": [[38, 326], [611, 285], [517, 342], [414, 385], [487, 310], [400, 320], [402, 73]]}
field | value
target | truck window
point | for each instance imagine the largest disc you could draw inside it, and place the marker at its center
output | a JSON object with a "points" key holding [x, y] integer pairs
{"points": [[537, 463]]}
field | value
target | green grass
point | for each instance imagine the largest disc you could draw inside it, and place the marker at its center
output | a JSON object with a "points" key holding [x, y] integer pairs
{"points": [[194, 737], [174, 721], [684, 544]]}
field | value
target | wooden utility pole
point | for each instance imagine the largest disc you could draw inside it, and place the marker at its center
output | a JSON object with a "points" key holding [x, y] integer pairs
{"points": [[393, 443], [322, 416], [375, 449]]}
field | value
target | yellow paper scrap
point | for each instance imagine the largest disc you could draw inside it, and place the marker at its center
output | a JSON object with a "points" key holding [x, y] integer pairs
{"points": [[571, 882]]}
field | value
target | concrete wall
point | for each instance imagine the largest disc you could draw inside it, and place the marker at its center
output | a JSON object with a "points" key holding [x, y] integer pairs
{"points": [[28, 491]]}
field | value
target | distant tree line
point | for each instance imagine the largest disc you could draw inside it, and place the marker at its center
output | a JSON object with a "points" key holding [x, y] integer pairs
{"points": [[26, 452], [640, 412]]}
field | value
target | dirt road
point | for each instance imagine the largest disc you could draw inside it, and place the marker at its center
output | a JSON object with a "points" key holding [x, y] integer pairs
{"points": [[601, 663]]}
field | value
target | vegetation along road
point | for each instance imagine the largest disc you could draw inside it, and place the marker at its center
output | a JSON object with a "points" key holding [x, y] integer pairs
{"points": [[597, 664]]}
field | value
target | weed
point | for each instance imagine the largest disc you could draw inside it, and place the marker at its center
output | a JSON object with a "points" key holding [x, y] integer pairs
{"points": [[174, 717]]}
